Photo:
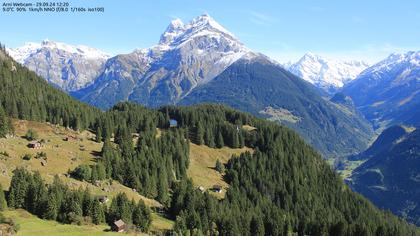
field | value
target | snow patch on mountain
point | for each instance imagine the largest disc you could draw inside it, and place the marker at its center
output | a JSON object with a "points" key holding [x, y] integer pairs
{"points": [[402, 63], [20, 54], [65, 66], [328, 74]]}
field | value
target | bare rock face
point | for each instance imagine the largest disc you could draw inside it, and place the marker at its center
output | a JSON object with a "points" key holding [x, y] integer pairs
{"points": [[389, 92], [67, 67], [186, 56]]}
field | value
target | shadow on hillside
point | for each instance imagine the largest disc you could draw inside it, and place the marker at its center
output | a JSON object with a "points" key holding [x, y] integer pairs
{"points": [[95, 153]]}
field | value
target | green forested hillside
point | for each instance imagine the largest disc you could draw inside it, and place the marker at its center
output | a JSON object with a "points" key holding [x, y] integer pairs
{"points": [[267, 90], [26, 96], [383, 143], [283, 187], [390, 178]]}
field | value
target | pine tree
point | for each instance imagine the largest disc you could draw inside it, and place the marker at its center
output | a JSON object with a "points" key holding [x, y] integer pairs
{"points": [[200, 134], [219, 166], [51, 207], [5, 124], [162, 195], [98, 130], [98, 215], [235, 139], [257, 226], [120, 208], [18, 188], [87, 203], [31, 135], [219, 141], [3, 203], [36, 194], [141, 216]]}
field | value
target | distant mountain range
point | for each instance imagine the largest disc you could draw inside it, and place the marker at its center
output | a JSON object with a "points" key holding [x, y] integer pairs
{"points": [[282, 188], [65, 66], [73, 68], [258, 86], [332, 104], [327, 74], [195, 58], [390, 177], [187, 56], [389, 92]]}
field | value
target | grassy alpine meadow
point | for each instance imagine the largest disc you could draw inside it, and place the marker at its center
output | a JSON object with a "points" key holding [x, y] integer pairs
{"points": [[65, 149], [34, 226], [202, 165]]}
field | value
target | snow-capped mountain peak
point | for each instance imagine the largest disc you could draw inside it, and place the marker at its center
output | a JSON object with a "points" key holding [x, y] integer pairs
{"points": [[327, 74], [310, 56], [178, 33], [23, 52], [409, 59], [174, 29], [20, 54], [66, 66], [206, 21]]}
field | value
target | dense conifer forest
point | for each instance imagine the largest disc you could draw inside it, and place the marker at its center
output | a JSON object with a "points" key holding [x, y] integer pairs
{"points": [[26, 96], [283, 187]]}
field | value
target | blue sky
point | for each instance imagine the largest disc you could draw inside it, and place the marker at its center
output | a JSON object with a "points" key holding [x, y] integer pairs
{"points": [[284, 30]]}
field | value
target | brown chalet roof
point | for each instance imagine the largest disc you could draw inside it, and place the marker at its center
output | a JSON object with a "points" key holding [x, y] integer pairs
{"points": [[119, 223]]}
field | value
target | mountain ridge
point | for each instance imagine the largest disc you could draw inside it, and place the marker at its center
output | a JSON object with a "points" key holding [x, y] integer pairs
{"points": [[282, 188], [327, 74], [389, 92], [189, 56], [67, 67], [390, 176], [288, 100]]}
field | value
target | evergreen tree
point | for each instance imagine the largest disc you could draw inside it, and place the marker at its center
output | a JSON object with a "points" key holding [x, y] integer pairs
{"points": [[120, 208], [163, 193], [51, 207], [257, 226], [36, 193], [219, 141], [87, 203], [200, 134], [98, 214], [3, 203], [31, 135], [141, 216], [219, 166], [98, 130], [18, 188], [5, 124]]}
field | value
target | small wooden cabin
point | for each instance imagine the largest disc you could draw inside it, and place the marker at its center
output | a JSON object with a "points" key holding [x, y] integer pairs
{"points": [[118, 226]]}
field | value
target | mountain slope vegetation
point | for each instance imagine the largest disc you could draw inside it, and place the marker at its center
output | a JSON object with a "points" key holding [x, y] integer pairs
{"points": [[283, 187], [190, 57], [26, 96], [390, 177], [260, 87]]}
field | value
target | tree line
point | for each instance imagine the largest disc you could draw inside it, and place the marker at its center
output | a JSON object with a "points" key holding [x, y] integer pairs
{"points": [[56, 201], [26, 96], [283, 187]]}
